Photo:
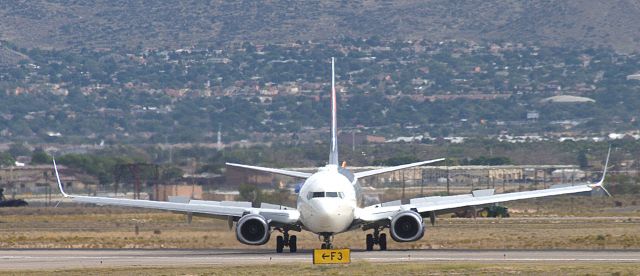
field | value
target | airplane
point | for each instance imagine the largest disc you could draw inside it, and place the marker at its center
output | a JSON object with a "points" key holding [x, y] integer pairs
{"points": [[330, 201]]}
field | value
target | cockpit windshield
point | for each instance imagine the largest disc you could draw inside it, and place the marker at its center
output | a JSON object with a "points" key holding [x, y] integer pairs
{"points": [[325, 194]]}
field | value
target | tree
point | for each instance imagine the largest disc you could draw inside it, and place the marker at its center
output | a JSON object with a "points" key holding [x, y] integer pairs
{"points": [[171, 173], [488, 161], [40, 157], [582, 159], [250, 192], [19, 149], [6, 159]]}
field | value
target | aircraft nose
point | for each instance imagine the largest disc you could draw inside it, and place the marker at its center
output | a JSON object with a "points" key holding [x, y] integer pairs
{"points": [[332, 217], [328, 210]]}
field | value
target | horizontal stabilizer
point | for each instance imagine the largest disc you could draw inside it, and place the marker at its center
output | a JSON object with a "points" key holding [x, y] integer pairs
{"points": [[390, 169], [271, 170]]}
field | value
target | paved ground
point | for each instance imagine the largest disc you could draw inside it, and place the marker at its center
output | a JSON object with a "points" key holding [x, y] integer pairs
{"points": [[36, 259]]}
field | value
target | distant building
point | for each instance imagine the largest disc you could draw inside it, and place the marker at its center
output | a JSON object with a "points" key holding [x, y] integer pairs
{"points": [[567, 175], [40, 179], [375, 139], [567, 99], [237, 176], [505, 173], [163, 192], [635, 76]]}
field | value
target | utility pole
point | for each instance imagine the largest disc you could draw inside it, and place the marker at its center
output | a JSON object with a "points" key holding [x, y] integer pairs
{"points": [[166, 142], [421, 183], [219, 144], [447, 166], [403, 186]]}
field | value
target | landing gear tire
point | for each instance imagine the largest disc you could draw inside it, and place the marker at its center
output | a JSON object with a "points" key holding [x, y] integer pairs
{"points": [[383, 242], [279, 244], [369, 242], [293, 246], [326, 237]]}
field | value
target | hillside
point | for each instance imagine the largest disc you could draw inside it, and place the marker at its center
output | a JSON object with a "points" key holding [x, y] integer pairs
{"points": [[100, 23]]}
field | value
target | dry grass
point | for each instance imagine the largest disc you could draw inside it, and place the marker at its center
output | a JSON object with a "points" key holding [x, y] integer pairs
{"points": [[364, 268], [548, 224]]}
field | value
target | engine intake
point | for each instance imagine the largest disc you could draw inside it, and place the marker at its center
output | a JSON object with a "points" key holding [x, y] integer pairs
{"points": [[252, 230], [407, 226]]}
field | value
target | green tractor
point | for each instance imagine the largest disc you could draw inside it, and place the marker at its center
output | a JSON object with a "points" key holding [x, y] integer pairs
{"points": [[493, 211]]}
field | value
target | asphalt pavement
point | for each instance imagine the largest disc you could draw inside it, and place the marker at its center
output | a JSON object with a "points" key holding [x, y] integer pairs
{"points": [[45, 259]]}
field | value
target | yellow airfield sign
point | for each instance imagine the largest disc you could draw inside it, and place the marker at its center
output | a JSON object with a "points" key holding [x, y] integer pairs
{"points": [[332, 256]]}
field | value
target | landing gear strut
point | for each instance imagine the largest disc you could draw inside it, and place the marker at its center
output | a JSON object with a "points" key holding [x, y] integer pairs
{"points": [[286, 240], [376, 238], [327, 241]]}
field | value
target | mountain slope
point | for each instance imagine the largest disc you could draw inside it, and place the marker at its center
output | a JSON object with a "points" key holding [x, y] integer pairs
{"points": [[101, 23]]}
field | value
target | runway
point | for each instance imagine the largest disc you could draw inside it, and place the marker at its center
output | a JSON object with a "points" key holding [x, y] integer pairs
{"points": [[43, 259]]}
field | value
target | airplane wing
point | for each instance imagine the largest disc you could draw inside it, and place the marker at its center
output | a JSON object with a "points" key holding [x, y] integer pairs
{"points": [[283, 216], [395, 168], [271, 170], [427, 206], [424, 205]]}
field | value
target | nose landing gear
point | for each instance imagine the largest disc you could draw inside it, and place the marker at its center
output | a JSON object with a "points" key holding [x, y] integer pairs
{"points": [[327, 237]]}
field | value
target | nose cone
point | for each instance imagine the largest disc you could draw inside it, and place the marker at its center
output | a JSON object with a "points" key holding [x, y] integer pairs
{"points": [[330, 215], [327, 212]]}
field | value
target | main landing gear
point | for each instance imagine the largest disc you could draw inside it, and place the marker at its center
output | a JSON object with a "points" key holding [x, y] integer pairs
{"points": [[286, 240], [376, 238]]}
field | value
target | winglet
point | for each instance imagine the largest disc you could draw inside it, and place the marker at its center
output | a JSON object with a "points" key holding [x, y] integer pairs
{"points": [[55, 167], [600, 183], [606, 166]]}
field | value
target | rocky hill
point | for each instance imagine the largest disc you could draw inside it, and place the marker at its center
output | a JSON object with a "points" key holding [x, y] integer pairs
{"points": [[132, 23]]}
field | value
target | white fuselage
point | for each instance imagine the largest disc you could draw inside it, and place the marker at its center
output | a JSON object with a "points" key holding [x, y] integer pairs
{"points": [[327, 201]]}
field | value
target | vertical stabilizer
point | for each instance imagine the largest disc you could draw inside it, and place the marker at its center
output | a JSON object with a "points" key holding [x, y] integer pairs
{"points": [[333, 156]]}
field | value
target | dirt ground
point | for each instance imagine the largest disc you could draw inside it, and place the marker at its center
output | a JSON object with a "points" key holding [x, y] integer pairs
{"points": [[364, 268], [558, 223]]}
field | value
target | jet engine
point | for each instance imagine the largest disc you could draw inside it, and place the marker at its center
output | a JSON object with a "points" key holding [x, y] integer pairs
{"points": [[252, 230], [407, 226]]}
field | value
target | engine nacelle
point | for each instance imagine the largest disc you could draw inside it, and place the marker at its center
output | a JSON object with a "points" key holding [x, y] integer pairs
{"points": [[406, 226], [252, 230]]}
